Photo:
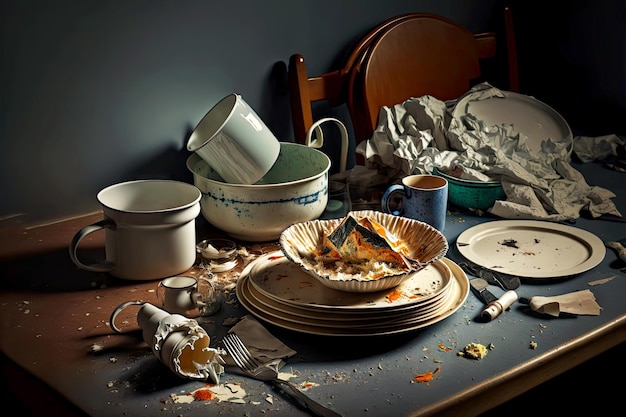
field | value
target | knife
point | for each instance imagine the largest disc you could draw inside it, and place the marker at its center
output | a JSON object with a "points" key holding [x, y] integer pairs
{"points": [[502, 280], [495, 305], [479, 287]]}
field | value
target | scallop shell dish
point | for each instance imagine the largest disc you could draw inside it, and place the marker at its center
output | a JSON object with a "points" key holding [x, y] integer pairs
{"points": [[366, 251]]}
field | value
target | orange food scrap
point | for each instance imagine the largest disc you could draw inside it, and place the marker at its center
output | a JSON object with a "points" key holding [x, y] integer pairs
{"points": [[203, 395], [426, 377], [394, 295], [443, 347]]}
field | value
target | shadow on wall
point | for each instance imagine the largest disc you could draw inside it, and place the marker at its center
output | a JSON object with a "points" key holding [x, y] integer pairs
{"points": [[169, 163], [568, 58], [276, 101]]}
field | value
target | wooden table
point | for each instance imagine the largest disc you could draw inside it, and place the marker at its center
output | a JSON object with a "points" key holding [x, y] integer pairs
{"points": [[53, 314]]}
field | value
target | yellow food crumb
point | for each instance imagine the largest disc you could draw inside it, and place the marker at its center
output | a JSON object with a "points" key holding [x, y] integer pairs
{"points": [[533, 345], [474, 351]]}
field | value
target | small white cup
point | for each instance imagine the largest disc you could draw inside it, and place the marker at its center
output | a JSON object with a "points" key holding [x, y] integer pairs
{"points": [[189, 296], [179, 294], [235, 142], [150, 230]]}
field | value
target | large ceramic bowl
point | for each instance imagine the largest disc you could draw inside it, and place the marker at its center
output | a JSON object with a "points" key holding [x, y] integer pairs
{"points": [[302, 243], [294, 190]]}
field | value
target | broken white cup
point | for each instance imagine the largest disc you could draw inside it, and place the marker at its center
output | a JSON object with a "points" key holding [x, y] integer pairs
{"points": [[177, 341]]}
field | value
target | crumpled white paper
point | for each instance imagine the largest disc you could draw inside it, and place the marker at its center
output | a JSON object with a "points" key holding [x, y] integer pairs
{"points": [[420, 134], [578, 303], [589, 149]]}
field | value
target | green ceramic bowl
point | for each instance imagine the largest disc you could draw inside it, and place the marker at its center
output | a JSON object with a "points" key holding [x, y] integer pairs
{"points": [[472, 194]]}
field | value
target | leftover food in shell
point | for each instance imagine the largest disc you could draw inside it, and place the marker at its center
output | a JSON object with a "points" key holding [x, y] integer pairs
{"points": [[365, 251], [363, 245]]}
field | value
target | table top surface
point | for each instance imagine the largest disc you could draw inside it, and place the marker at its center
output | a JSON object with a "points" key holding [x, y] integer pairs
{"points": [[54, 314]]}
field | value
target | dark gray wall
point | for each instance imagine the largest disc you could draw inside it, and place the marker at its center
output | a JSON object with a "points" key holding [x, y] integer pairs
{"points": [[573, 57], [98, 92]]}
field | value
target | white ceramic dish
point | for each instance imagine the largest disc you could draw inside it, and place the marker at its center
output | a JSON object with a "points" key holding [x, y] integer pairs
{"points": [[302, 242], [312, 323], [350, 315], [339, 320], [294, 190], [531, 249], [529, 116], [276, 277]]}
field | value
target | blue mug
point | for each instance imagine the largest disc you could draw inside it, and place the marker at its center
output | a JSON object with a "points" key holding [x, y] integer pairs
{"points": [[421, 197]]}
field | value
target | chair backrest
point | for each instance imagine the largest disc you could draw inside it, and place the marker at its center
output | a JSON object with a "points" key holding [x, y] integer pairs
{"points": [[332, 86], [410, 55]]}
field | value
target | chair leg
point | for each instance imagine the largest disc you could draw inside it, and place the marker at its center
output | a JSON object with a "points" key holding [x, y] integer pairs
{"points": [[300, 100], [511, 47]]}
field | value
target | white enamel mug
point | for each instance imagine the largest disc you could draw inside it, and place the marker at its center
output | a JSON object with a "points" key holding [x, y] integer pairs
{"points": [[150, 229], [235, 142]]}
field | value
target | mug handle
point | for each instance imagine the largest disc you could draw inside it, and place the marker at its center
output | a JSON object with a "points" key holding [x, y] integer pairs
{"points": [[101, 267], [197, 300], [118, 310], [387, 197], [318, 141]]}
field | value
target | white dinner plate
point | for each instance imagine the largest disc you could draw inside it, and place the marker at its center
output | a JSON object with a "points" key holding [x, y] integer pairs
{"points": [[338, 315], [531, 248], [459, 289], [526, 114], [336, 319], [277, 277]]}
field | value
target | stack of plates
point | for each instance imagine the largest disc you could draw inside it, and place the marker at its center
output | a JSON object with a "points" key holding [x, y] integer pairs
{"points": [[279, 292]]}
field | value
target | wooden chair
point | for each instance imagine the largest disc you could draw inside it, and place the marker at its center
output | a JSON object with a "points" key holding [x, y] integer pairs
{"points": [[410, 55]]}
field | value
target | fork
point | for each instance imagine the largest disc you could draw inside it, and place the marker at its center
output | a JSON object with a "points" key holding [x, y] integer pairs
{"points": [[268, 372]]}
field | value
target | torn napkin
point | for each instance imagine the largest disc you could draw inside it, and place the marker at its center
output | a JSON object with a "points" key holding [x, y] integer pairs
{"points": [[578, 303], [261, 343], [589, 149], [420, 134]]}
